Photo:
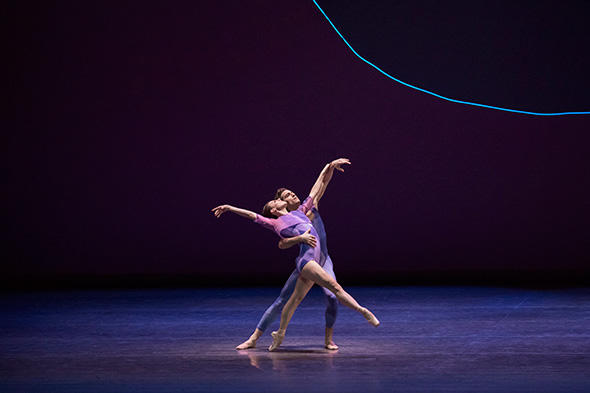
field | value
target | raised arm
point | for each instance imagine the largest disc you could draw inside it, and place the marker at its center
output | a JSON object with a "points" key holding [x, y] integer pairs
{"points": [[306, 237], [318, 189], [219, 210]]}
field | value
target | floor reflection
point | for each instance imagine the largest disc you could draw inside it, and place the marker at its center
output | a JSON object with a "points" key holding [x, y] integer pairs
{"points": [[283, 359]]}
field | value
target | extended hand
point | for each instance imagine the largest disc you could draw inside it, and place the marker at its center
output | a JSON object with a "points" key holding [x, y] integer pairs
{"points": [[219, 210], [336, 164], [308, 238]]}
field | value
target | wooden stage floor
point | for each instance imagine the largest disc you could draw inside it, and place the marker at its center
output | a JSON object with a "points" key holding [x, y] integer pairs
{"points": [[432, 339]]}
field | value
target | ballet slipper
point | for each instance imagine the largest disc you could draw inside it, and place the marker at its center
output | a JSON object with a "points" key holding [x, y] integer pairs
{"points": [[246, 345], [277, 339], [331, 346], [372, 319]]}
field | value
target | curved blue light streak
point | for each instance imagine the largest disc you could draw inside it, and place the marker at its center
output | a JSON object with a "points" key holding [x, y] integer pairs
{"points": [[438, 95]]}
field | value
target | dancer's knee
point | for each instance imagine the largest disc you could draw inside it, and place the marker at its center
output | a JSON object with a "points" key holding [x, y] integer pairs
{"points": [[296, 298], [332, 300], [299, 298]]}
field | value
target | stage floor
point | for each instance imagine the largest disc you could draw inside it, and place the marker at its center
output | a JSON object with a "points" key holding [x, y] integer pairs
{"points": [[432, 339]]}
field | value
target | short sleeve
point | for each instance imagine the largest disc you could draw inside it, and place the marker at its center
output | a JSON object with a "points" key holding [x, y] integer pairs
{"points": [[306, 205], [265, 222]]}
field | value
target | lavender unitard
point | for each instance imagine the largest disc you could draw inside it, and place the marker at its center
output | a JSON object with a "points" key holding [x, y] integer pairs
{"points": [[293, 224], [325, 261]]}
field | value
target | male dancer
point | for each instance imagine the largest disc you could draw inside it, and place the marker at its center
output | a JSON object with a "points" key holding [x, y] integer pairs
{"points": [[274, 309]]}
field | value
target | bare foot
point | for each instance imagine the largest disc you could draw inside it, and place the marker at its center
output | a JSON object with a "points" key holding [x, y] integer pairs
{"points": [[370, 317], [277, 339], [246, 345], [331, 346]]}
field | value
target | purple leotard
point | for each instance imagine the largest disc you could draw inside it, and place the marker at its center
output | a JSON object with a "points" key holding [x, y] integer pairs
{"points": [[293, 224]]}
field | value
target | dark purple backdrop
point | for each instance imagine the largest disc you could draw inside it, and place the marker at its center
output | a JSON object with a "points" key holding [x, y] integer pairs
{"points": [[134, 120]]}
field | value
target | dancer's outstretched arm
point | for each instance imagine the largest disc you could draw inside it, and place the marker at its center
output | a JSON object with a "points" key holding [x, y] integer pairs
{"points": [[306, 237], [219, 210], [318, 189]]}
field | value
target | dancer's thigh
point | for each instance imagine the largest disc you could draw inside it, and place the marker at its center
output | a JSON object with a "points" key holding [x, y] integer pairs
{"points": [[314, 272]]}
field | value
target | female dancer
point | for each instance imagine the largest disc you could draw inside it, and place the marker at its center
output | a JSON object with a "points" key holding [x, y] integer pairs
{"points": [[289, 224], [273, 310]]}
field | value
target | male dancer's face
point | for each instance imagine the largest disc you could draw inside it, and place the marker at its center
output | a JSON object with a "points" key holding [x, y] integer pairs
{"points": [[292, 200]]}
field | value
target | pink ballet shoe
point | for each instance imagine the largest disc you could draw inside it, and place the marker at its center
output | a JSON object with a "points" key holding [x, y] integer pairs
{"points": [[277, 339], [372, 319]]}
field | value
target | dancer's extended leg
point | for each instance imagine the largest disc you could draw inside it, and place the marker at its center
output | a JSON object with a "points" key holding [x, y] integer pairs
{"points": [[314, 272], [301, 288]]}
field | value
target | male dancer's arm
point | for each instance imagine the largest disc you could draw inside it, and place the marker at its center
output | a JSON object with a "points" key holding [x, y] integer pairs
{"points": [[306, 237], [318, 189]]}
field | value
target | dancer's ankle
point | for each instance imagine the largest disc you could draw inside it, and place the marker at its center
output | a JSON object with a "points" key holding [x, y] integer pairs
{"points": [[256, 335]]}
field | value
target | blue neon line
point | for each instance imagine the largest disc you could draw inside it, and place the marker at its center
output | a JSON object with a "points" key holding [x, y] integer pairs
{"points": [[438, 95]]}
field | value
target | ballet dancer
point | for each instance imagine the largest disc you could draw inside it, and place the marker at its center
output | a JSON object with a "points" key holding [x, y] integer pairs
{"points": [[273, 310], [289, 224]]}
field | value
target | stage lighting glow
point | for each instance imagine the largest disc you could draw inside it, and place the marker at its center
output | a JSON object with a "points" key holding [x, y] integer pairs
{"points": [[438, 95]]}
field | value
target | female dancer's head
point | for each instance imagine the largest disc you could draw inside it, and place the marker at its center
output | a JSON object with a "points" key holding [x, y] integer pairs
{"points": [[274, 208]]}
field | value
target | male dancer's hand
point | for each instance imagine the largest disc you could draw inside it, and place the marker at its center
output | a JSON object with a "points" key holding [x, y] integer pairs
{"points": [[308, 238], [219, 210], [336, 164]]}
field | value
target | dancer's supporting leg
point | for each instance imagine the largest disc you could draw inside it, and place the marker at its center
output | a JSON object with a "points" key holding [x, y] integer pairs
{"points": [[275, 308], [331, 309], [314, 273], [271, 312], [301, 288]]}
